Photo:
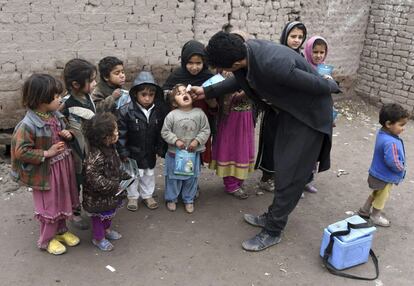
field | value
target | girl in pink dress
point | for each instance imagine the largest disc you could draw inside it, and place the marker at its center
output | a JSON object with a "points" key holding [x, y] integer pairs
{"points": [[42, 160]]}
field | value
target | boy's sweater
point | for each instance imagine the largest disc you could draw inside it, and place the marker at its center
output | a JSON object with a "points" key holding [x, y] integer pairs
{"points": [[388, 163], [186, 126]]}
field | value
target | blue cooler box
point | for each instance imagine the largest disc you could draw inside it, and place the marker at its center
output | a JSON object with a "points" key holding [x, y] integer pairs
{"points": [[348, 250]]}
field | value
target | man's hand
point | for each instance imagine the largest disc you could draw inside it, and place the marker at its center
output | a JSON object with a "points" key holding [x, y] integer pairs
{"points": [[193, 145], [180, 144], [197, 93]]}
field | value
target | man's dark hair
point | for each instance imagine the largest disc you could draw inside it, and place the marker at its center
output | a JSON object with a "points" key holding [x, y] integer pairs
{"points": [[224, 49], [100, 127], [392, 112], [106, 65]]}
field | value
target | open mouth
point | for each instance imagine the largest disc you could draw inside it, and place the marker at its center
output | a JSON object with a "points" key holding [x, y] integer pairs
{"points": [[186, 98]]}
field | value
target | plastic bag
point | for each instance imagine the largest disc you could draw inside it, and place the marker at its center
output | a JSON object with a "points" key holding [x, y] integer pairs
{"points": [[131, 167], [184, 162]]}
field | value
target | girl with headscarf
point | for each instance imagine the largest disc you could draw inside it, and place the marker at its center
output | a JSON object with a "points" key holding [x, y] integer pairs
{"points": [[316, 50], [194, 71], [233, 152], [293, 35]]}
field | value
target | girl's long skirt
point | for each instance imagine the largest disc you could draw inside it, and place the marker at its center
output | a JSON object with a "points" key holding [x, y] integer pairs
{"points": [[233, 147], [52, 207]]}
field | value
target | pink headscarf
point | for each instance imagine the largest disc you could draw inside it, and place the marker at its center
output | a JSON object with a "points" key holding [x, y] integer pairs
{"points": [[309, 47]]}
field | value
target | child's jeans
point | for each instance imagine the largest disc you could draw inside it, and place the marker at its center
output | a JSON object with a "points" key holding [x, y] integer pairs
{"points": [[176, 184], [99, 227], [188, 189]]}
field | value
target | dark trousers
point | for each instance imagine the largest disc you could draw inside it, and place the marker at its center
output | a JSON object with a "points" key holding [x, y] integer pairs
{"points": [[296, 150], [267, 136]]}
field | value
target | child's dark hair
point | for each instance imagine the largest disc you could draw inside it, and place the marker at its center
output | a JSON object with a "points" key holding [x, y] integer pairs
{"points": [[106, 65], [288, 29], [174, 91], [40, 88], [224, 49], [78, 70], [392, 112], [141, 87], [99, 128], [319, 42]]}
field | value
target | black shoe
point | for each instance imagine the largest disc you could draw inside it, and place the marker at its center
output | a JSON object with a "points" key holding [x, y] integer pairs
{"points": [[259, 220], [260, 241]]}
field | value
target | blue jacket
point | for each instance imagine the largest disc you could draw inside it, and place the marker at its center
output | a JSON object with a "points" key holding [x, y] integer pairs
{"points": [[388, 163]]}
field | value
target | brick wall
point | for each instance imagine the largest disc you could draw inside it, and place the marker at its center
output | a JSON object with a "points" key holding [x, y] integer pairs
{"points": [[41, 35], [387, 60]]}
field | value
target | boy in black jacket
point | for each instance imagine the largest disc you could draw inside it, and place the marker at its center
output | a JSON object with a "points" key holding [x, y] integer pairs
{"points": [[139, 123]]}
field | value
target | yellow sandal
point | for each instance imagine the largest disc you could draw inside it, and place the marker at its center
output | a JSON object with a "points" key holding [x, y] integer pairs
{"points": [[55, 247], [68, 238]]}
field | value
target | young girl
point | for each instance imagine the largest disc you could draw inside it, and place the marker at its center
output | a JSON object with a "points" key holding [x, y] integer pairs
{"points": [[316, 50], [194, 71], [80, 80], [233, 146], [184, 128], [102, 175], [42, 160], [293, 36]]}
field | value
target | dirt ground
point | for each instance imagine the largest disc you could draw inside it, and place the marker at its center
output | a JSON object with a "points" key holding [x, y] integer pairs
{"points": [[163, 248]]}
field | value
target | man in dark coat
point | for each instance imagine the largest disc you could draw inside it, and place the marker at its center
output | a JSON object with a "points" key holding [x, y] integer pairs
{"points": [[281, 78]]}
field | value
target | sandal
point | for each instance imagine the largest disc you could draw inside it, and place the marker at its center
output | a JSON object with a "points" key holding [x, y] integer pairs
{"points": [[103, 244], [189, 208], [380, 220], [55, 247], [240, 194], [311, 189], [132, 205], [171, 206], [68, 238], [363, 213], [113, 235], [150, 203]]}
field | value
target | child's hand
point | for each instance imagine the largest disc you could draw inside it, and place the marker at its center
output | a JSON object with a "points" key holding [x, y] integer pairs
{"points": [[65, 134], [180, 144], [327, 76], [55, 149], [193, 145], [116, 94], [238, 96], [124, 159]]}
